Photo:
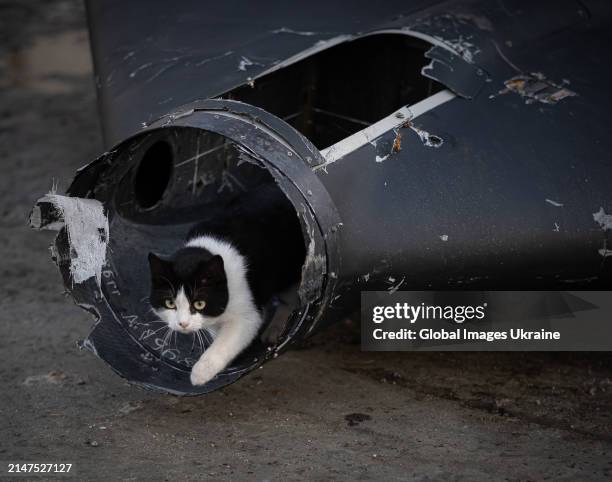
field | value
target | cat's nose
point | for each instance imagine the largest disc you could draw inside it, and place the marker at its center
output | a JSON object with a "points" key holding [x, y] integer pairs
{"points": [[183, 324]]}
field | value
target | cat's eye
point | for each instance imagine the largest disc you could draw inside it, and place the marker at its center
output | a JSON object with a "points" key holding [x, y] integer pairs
{"points": [[170, 304], [199, 304]]}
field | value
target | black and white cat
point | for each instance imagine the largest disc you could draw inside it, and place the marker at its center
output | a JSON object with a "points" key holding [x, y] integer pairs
{"points": [[227, 270]]}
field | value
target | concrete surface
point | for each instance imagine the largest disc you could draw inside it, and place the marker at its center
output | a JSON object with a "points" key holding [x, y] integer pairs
{"points": [[323, 411]]}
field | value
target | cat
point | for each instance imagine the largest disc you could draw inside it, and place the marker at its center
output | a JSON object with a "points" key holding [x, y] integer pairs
{"points": [[227, 270]]}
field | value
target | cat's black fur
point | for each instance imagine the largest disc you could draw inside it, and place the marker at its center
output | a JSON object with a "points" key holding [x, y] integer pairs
{"points": [[263, 227], [199, 273]]}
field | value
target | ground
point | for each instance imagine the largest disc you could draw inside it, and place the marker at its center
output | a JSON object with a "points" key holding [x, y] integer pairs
{"points": [[323, 411]]}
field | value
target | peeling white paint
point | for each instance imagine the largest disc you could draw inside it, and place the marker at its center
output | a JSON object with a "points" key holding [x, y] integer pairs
{"points": [[393, 289], [603, 219], [381, 159], [462, 46], [554, 203], [87, 229], [428, 140], [246, 62], [87, 344], [295, 32]]}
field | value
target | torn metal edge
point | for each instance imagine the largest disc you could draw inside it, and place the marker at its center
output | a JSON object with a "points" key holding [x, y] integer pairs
{"points": [[393, 121], [333, 41]]}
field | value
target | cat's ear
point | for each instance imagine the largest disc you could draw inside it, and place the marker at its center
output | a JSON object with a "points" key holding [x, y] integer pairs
{"points": [[212, 271], [159, 267]]}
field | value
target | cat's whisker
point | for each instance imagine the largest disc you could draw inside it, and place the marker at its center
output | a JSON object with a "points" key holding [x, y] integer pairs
{"points": [[200, 340], [207, 336]]}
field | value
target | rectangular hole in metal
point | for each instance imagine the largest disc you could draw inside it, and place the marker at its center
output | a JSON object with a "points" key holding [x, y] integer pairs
{"points": [[343, 89]]}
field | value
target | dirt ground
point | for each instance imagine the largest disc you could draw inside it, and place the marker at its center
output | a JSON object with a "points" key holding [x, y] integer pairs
{"points": [[323, 411]]}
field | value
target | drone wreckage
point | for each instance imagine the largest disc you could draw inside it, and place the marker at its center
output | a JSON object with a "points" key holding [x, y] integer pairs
{"points": [[435, 145]]}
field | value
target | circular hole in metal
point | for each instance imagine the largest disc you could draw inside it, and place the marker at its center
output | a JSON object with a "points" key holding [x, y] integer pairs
{"points": [[153, 174]]}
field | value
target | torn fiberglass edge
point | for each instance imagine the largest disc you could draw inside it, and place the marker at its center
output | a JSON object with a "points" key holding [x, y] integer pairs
{"points": [[458, 198], [205, 157]]}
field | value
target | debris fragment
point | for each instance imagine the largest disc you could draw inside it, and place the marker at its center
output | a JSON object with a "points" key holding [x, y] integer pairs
{"points": [[554, 203], [397, 143], [356, 418], [130, 407], [444, 237], [53, 378], [535, 87]]}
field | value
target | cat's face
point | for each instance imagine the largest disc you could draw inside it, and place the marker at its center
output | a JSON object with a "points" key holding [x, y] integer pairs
{"points": [[189, 291]]}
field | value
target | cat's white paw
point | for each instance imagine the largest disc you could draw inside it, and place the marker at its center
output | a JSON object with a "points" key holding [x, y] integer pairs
{"points": [[205, 370]]}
